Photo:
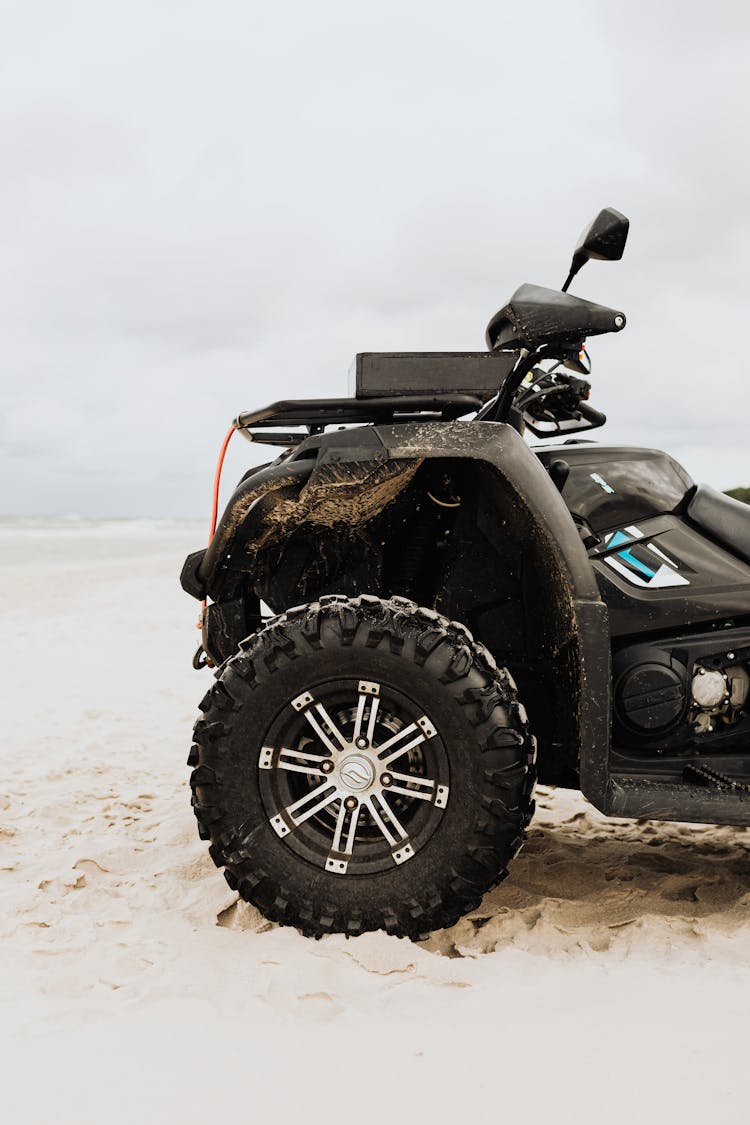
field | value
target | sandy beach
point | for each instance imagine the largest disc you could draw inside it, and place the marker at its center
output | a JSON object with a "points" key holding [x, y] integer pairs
{"points": [[605, 980]]}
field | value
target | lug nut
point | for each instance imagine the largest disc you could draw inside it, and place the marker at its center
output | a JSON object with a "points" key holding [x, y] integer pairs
{"points": [[326, 766], [386, 779], [361, 743], [351, 803]]}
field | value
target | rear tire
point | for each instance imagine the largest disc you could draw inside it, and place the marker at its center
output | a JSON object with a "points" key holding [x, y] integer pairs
{"points": [[291, 751]]}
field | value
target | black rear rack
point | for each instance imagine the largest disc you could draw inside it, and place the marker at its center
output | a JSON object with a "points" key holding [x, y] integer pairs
{"points": [[314, 414]]}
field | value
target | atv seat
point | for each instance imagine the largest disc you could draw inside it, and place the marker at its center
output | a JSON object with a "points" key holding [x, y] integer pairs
{"points": [[723, 519]]}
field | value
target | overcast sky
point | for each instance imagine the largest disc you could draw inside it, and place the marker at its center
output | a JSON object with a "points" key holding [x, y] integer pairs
{"points": [[205, 207]]}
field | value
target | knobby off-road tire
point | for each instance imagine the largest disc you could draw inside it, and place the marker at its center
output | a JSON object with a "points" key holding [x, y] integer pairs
{"points": [[440, 777]]}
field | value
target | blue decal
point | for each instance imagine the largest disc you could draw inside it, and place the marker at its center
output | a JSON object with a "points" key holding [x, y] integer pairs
{"points": [[634, 569], [601, 482], [647, 570]]}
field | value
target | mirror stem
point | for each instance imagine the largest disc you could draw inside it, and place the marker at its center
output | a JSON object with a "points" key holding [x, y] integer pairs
{"points": [[568, 280]]}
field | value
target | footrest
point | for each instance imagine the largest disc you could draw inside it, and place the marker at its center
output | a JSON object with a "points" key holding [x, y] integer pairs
{"points": [[698, 799]]}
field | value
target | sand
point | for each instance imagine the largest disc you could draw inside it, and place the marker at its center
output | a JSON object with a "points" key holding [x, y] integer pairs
{"points": [[605, 980]]}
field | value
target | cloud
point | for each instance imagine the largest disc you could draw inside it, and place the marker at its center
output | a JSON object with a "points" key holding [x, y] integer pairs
{"points": [[206, 208]]}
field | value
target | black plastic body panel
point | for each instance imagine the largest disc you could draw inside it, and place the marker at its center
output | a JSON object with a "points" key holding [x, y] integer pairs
{"points": [[610, 489], [716, 589], [646, 496], [429, 373], [535, 315], [610, 486], [274, 476], [189, 579], [722, 518]]}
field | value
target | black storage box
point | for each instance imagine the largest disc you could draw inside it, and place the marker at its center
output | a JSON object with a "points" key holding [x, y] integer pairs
{"points": [[376, 374]]}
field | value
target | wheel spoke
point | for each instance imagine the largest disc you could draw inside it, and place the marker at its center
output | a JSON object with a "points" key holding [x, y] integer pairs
{"points": [[283, 823], [413, 779], [401, 849], [425, 790], [420, 793], [361, 703], [321, 733], [380, 822], [331, 725], [317, 792], [426, 730], [399, 749], [368, 691], [402, 833], [311, 771], [386, 820], [338, 857], [340, 821], [371, 721], [299, 761], [410, 729], [302, 755], [351, 834]]}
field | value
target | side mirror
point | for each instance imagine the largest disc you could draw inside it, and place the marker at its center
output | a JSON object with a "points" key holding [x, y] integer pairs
{"points": [[603, 239]]}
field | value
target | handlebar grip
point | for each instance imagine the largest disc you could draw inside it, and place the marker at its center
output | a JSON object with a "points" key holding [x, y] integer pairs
{"points": [[595, 417]]}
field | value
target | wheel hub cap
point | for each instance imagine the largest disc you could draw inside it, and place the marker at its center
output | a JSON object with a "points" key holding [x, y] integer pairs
{"points": [[356, 772]]}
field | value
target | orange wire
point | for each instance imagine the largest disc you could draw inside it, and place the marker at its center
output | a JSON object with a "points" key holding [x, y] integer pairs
{"points": [[217, 482], [215, 504]]}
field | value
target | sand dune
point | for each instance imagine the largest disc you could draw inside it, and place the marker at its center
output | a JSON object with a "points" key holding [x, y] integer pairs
{"points": [[606, 976]]}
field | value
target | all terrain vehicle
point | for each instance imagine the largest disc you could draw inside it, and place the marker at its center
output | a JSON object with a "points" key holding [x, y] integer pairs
{"points": [[458, 612]]}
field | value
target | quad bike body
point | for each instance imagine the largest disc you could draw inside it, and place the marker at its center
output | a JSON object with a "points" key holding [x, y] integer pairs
{"points": [[457, 613]]}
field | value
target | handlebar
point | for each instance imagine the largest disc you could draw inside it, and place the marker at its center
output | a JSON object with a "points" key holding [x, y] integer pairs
{"points": [[595, 417], [547, 402]]}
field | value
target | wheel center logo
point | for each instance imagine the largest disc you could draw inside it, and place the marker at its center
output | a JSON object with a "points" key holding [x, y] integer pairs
{"points": [[356, 772]]}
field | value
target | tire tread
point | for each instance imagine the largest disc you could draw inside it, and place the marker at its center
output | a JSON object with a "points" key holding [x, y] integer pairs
{"points": [[491, 707]]}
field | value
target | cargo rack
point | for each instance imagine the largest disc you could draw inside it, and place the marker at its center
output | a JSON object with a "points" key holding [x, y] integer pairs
{"points": [[314, 414]]}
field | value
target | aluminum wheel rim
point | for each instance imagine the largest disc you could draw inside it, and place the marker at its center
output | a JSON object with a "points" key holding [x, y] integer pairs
{"points": [[354, 777]]}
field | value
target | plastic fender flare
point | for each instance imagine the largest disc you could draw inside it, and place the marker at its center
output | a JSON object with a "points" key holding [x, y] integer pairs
{"points": [[502, 447], [245, 495]]}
